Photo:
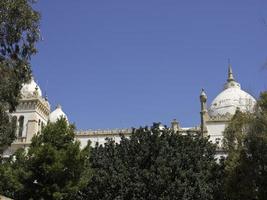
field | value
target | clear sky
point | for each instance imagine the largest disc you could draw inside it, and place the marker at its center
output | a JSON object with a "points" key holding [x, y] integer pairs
{"points": [[127, 63]]}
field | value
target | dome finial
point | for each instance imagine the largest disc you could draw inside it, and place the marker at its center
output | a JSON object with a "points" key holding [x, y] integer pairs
{"points": [[203, 97], [203, 94], [46, 96], [230, 72]]}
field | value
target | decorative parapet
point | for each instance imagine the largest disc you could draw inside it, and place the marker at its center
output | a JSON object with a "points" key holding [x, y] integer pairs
{"points": [[104, 132], [191, 130], [127, 131], [225, 117], [33, 103]]}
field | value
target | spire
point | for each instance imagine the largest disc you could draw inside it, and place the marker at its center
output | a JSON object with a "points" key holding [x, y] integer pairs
{"points": [[231, 80], [230, 72], [58, 106], [46, 96]]}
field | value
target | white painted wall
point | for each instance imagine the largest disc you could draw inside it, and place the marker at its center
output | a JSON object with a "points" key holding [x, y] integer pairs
{"points": [[215, 131]]}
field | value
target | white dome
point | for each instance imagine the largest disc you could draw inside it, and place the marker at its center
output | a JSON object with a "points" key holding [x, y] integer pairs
{"points": [[231, 98], [57, 114], [30, 89]]}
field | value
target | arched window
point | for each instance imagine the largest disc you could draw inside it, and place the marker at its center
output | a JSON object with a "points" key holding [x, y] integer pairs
{"points": [[21, 124], [14, 120], [42, 125], [39, 125]]}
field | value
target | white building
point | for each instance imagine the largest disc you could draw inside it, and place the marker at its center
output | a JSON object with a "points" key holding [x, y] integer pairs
{"points": [[215, 119], [33, 113]]}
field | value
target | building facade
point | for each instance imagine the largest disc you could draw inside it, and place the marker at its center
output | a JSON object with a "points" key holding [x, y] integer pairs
{"points": [[33, 113]]}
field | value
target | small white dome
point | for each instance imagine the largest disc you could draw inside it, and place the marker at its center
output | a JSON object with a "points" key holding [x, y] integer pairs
{"points": [[231, 98], [31, 89], [57, 114]]}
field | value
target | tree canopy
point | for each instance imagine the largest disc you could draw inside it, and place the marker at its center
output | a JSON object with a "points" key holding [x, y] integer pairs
{"points": [[154, 164], [246, 165], [54, 166], [19, 32]]}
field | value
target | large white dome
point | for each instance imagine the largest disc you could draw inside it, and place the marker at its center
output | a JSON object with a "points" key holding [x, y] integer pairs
{"points": [[57, 114], [30, 89], [231, 98]]}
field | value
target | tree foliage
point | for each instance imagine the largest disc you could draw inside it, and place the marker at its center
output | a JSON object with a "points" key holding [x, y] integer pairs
{"points": [[19, 32], [246, 165], [234, 137], [154, 164], [7, 129], [11, 173], [54, 167]]}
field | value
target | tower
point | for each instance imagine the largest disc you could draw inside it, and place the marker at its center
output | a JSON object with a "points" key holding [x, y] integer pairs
{"points": [[175, 125], [203, 112], [31, 115]]}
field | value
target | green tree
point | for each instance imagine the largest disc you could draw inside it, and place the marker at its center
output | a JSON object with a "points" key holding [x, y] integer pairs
{"points": [[7, 130], [11, 173], [236, 164], [154, 164], [246, 165], [54, 166], [19, 32]]}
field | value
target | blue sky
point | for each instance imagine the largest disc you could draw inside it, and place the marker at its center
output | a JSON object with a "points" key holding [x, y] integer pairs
{"points": [[123, 63]]}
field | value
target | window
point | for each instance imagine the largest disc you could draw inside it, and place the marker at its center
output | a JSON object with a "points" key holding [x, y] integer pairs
{"points": [[42, 125], [14, 120], [39, 125], [21, 124]]}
